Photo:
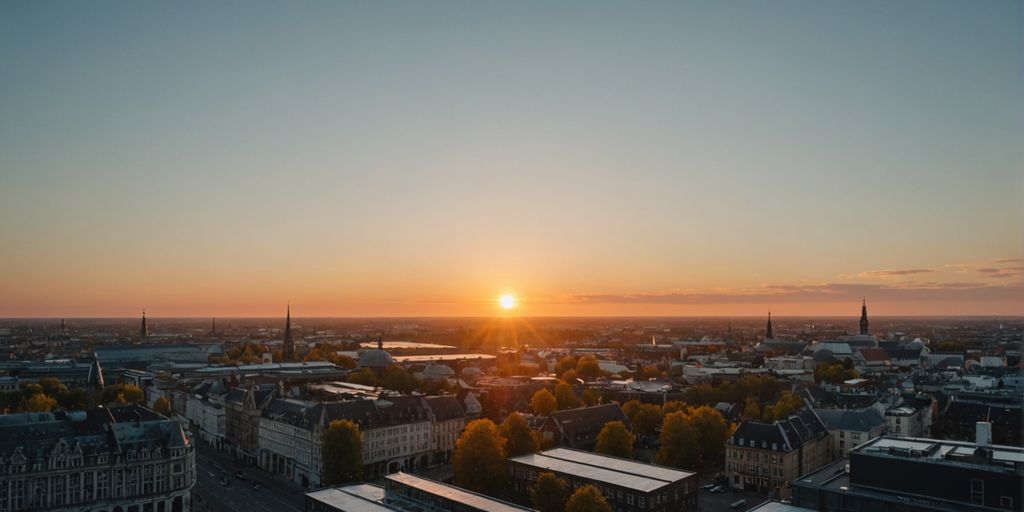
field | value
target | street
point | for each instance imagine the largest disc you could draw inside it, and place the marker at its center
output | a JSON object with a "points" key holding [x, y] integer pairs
{"points": [[209, 495]]}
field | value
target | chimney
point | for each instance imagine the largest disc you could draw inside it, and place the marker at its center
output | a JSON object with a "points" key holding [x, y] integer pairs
{"points": [[983, 433]]}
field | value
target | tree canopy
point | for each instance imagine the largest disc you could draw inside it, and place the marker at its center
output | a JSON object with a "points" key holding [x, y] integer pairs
{"points": [[678, 442], [587, 499], [565, 396], [342, 452], [518, 436], [479, 459], [122, 394], [543, 403], [162, 406], [615, 440], [549, 493]]}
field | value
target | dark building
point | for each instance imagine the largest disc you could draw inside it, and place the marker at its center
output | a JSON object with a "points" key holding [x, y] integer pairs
{"points": [[629, 486], [242, 410], [288, 351], [578, 428], [403, 492], [764, 456], [964, 410], [917, 474], [864, 318]]}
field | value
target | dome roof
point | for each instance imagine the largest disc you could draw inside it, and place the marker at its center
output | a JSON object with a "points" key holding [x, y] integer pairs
{"points": [[375, 358]]}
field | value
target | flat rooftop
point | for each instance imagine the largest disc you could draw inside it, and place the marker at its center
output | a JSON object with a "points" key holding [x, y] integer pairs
{"points": [[600, 468], [456, 494], [941, 451], [443, 357], [352, 498]]}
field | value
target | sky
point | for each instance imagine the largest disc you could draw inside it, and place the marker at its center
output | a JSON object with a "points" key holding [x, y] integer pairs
{"points": [[591, 158]]}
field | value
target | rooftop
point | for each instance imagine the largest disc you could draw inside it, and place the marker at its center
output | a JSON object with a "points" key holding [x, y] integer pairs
{"points": [[601, 468]]}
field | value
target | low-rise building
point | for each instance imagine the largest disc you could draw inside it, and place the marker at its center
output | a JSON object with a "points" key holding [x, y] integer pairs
{"points": [[917, 475], [765, 456], [851, 428], [579, 427], [403, 492], [105, 459], [629, 486]]}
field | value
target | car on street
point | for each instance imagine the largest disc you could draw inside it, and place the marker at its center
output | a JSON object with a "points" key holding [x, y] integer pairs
{"points": [[241, 476], [225, 482], [255, 487], [717, 489], [712, 485]]}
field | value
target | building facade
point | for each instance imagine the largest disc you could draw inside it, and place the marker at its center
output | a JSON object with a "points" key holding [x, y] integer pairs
{"points": [[118, 459], [766, 456]]}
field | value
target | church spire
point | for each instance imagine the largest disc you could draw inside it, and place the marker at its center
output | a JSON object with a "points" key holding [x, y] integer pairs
{"points": [[95, 378], [144, 331], [288, 348], [864, 317], [769, 335]]}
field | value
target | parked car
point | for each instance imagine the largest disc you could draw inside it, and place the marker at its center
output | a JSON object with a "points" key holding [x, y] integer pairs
{"points": [[241, 476], [255, 486], [718, 489], [712, 485], [738, 504], [224, 481]]}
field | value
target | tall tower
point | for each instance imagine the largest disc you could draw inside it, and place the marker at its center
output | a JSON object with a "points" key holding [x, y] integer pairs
{"points": [[288, 347], [213, 330], [864, 317], [769, 335], [145, 330]]}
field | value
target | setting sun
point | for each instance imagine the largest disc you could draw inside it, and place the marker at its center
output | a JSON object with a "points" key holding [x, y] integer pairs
{"points": [[507, 301]]}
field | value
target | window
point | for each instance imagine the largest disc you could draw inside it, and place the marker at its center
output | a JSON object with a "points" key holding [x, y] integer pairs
{"points": [[977, 491], [1006, 502]]}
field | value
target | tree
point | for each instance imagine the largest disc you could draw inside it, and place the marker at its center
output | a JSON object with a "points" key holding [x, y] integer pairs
{"points": [[565, 364], [549, 493], [38, 402], [752, 409], [479, 459], [787, 404], [672, 406], [342, 452], [646, 420], [52, 386], [565, 396], [345, 362], [678, 442], [518, 436], [630, 409], [74, 399], [366, 377], [569, 376], [588, 368], [122, 394], [587, 499], [543, 403], [589, 397], [712, 433], [396, 378], [162, 406], [615, 440], [650, 372]]}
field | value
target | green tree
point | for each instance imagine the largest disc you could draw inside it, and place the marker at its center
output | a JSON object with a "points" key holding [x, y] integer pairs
{"points": [[565, 396], [518, 436], [549, 493], [38, 402], [543, 403], [479, 459], [342, 452], [397, 379], [587, 499], [162, 406], [615, 440], [679, 442]]}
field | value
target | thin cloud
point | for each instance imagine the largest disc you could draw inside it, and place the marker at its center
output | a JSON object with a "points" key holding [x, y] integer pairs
{"points": [[1008, 260], [823, 292], [894, 273]]}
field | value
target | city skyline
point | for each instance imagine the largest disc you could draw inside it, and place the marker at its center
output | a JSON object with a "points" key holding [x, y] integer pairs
{"points": [[589, 159]]}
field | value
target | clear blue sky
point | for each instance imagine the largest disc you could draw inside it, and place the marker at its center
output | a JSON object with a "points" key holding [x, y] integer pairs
{"points": [[422, 157]]}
